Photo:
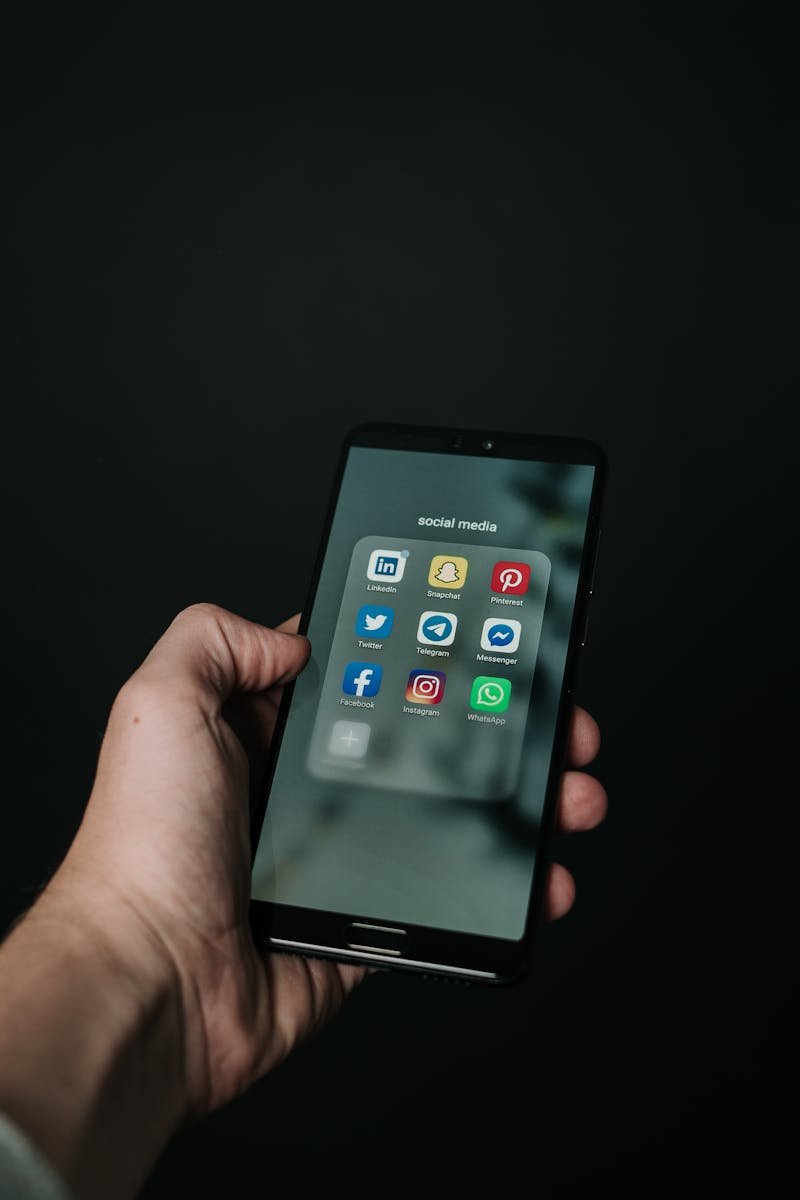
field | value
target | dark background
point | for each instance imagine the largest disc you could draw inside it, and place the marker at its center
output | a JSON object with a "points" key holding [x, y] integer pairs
{"points": [[232, 239]]}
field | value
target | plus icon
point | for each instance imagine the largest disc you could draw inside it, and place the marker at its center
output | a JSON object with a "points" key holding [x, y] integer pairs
{"points": [[349, 739]]}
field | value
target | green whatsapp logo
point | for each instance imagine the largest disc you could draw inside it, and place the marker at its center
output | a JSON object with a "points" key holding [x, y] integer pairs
{"points": [[490, 694]]}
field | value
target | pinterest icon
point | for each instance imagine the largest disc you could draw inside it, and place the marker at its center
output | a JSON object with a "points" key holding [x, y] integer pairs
{"points": [[511, 578]]}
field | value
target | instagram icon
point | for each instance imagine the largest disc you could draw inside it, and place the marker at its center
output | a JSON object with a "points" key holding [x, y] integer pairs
{"points": [[425, 687]]}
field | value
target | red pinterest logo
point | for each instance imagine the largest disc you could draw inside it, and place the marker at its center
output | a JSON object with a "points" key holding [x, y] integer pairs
{"points": [[511, 578]]}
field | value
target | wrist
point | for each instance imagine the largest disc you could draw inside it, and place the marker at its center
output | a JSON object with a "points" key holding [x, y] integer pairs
{"points": [[90, 1039]]}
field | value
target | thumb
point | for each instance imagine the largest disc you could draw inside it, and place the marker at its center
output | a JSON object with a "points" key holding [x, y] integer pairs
{"points": [[221, 653]]}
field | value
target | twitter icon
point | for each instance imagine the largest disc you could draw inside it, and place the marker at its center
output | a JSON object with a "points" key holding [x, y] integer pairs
{"points": [[374, 622]]}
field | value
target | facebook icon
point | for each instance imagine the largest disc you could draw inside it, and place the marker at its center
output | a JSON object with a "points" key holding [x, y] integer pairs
{"points": [[362, 679]]}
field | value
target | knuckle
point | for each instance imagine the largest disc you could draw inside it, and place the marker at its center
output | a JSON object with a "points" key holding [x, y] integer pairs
{"points": [[201, 612], [151, 696], [134, 695]]}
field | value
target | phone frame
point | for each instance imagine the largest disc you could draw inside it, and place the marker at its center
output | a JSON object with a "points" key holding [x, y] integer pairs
{"points": [[429, 951]]}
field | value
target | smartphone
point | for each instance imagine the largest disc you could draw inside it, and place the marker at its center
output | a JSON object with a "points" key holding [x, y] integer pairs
{"points": [[416, 760]]}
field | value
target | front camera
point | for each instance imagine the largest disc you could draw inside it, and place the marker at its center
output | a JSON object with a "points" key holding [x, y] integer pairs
{"points": [[487, 445]]}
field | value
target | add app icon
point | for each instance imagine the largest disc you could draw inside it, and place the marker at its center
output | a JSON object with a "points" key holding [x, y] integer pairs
{"points": [[349, 739]]}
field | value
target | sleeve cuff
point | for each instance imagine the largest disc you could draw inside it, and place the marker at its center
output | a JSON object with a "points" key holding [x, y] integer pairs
{"points": [[24, 1173]]}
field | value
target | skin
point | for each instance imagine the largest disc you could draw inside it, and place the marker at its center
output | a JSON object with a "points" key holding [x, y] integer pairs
{"points": [[133, 998]]}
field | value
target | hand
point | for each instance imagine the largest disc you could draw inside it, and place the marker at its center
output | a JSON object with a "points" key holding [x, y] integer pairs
{"points": [[159, 871], [167, 833]]}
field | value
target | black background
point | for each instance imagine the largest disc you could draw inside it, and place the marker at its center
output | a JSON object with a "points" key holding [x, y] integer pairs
{"points": [[230, 240]]}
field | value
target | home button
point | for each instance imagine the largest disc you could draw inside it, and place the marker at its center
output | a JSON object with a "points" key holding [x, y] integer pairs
{"points": [[375, 939]]}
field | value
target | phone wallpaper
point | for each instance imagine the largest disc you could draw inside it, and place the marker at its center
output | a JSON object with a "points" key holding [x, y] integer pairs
{"points": [[411, 777]]}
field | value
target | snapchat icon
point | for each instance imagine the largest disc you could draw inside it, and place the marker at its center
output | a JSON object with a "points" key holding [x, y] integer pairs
{"points": [[447, 571]]}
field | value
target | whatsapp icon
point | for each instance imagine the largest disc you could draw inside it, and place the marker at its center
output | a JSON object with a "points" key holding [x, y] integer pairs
{"points": [[490, 694]]}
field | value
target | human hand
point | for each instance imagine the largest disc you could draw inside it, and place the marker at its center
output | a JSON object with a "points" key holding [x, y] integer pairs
{"points": [[158, 874], [166, 842]]}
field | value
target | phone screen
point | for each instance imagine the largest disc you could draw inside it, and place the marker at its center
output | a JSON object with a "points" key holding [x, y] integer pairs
{"points": [[411, 777]]}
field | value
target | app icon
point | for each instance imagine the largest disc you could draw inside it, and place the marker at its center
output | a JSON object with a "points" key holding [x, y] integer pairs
{"points": [[437, 628], [490, 694], [447, 571], [349, 739], [362, 679], [373, 621], [387, 566], [425, 687], [500, 636], [511, 578]]}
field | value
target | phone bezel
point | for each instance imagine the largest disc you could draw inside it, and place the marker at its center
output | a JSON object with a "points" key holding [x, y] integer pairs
{"points": [[439, 952]]}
